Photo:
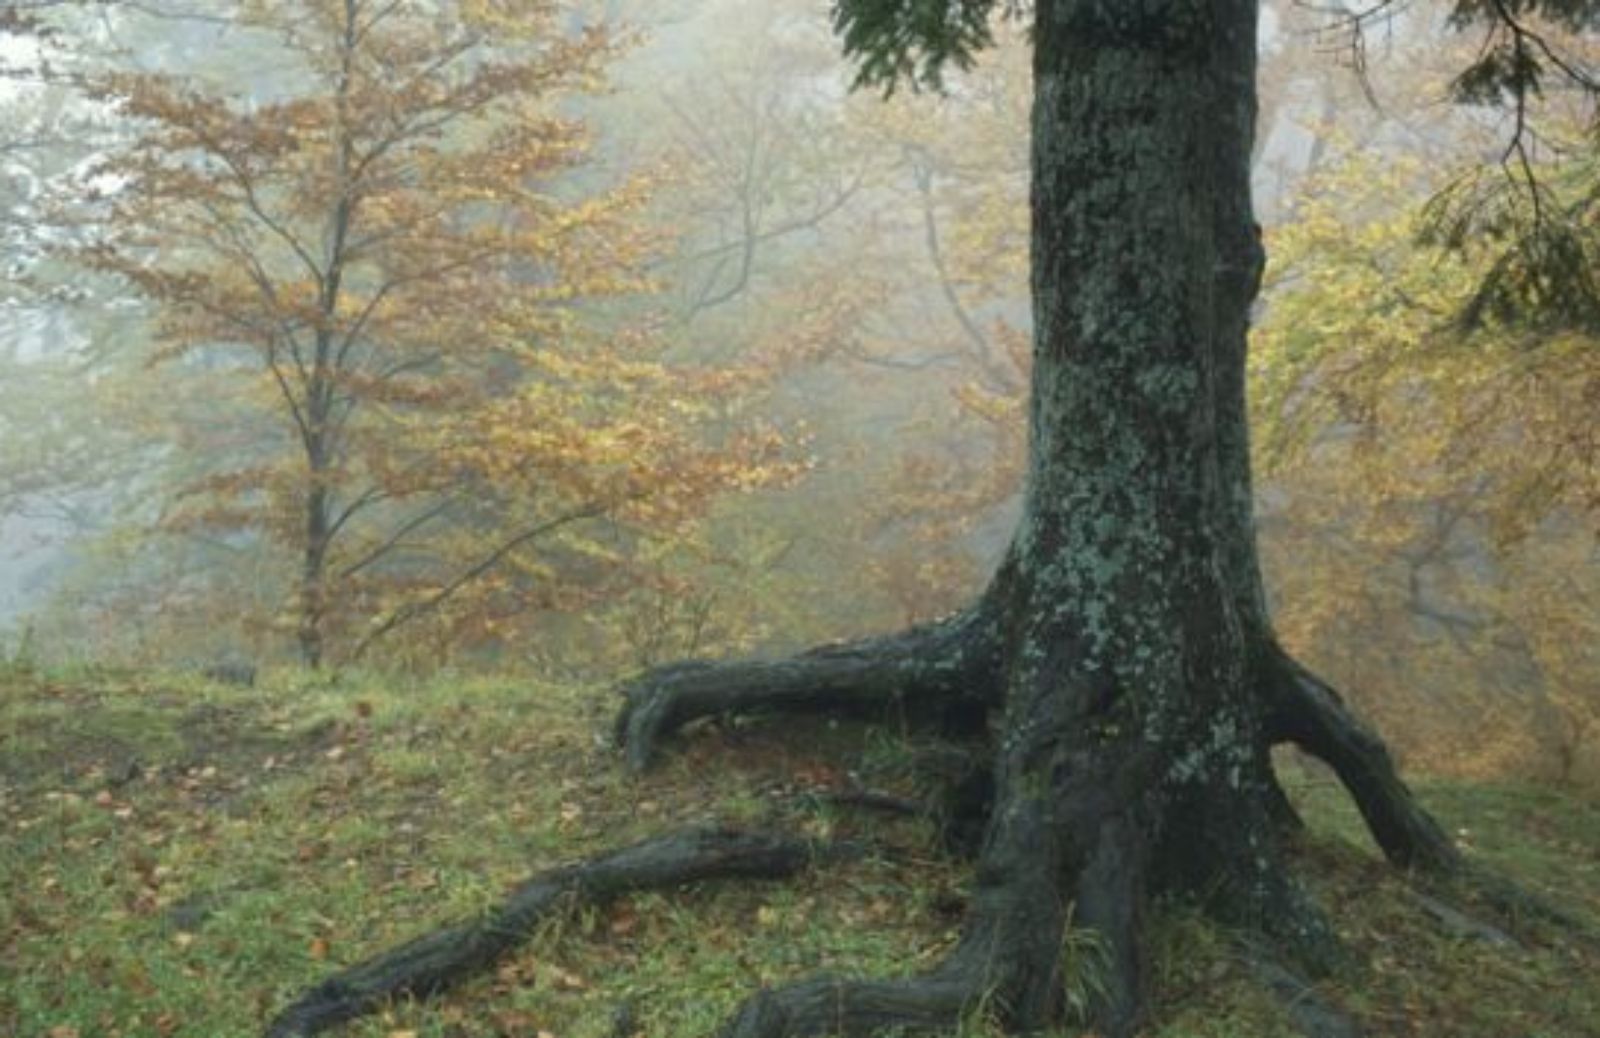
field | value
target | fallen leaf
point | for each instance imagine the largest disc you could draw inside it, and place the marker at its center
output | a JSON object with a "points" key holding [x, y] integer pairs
{"points": [[624, 920]]}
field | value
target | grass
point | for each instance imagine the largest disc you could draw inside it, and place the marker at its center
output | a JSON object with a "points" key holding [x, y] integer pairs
{"points": [[179, 858]]}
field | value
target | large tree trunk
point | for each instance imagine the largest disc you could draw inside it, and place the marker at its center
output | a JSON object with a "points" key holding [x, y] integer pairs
{"points": [[1140, 682], [1134, 745]]}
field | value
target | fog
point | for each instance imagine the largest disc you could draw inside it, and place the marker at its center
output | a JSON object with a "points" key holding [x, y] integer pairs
{"points": [[695, 351]]}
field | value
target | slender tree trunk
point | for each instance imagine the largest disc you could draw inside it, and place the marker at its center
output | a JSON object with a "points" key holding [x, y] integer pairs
{"points": [[313, 572], [318, 523], [321, 432]]}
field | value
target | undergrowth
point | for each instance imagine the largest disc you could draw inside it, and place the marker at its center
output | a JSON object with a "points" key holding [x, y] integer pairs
{"points": [[179, 858]]}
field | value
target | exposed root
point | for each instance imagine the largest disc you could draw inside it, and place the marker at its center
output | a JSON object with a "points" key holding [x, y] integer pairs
{"points": [[1306, 711], [1286, 821], [1075, 827], [434, 963], [945, 673], [1313, 1015], [1517, 905], [1458, 923], [1010, 963], [1111, 905], [1278, 908], [1248, 885], [830, 1006]]}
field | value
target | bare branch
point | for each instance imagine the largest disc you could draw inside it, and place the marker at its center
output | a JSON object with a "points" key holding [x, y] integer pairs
{"points": [[413, 610], [396, 536]]}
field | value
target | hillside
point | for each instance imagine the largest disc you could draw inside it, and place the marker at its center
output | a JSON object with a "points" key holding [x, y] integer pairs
{"points": [[181, 858]]}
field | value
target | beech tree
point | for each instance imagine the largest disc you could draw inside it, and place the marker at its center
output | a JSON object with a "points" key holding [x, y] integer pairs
{"points": [[385, 262], [1122, 656]]}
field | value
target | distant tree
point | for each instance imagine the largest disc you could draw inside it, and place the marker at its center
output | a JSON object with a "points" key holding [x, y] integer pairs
{"points": [[1437, 484], [768, 203], [872, 258], [962, 172], [417, 325]]}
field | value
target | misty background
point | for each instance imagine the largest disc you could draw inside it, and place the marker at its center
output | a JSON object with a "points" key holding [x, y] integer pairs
{"points": [[766, 385]]}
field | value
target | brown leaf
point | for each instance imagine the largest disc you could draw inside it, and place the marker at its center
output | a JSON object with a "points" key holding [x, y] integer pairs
{"points": [[624, 920]]}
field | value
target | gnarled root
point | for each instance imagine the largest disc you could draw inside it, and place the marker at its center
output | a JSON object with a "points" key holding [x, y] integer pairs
{"points": [[436, 962], [1309, 713], [1514, 904], [1313, 1015], [1081, 818], [945, 672], [1306, 711], [1009, 965], [1067, 845], [831, 1006]]}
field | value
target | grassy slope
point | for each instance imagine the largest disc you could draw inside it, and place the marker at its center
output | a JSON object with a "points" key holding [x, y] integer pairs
{"points": [[178, 858]]}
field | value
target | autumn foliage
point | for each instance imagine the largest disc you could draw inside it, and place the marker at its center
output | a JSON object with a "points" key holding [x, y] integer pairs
{"points": [[1431, 487], [437, 334], [427, 321]]}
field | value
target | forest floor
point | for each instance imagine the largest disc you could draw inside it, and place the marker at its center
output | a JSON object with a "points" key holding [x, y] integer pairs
{"points": [[181, 858]]}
